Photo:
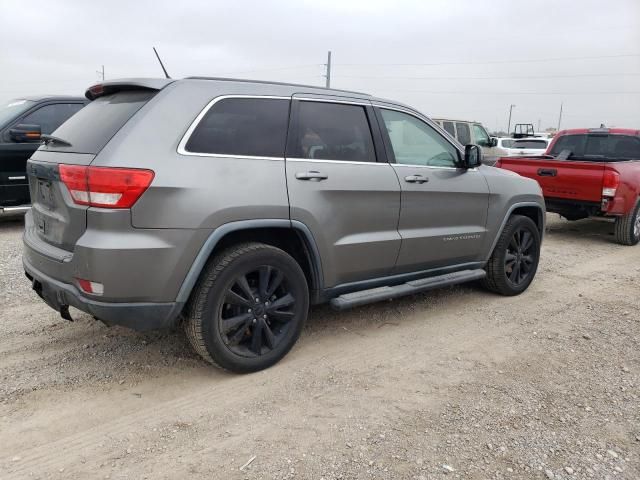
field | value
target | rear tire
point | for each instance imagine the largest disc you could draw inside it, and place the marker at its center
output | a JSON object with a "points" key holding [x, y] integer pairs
{"points": [[514, 261], [627, 227], [248, 308]]}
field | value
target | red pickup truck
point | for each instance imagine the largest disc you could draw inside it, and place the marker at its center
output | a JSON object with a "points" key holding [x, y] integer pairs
{"points": [[589, 172]]}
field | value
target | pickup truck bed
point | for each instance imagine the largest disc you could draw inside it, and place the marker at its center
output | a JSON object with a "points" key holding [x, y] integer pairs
{"points": [[588, 173]]}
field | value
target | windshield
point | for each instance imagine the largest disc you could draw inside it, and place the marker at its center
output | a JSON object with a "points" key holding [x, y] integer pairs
{"points": [[11, 110], [598, 147]]}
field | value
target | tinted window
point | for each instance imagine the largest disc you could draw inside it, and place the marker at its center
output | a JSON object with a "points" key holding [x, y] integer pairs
{"points": [[50, 117], [333, 131], [613, 147], [541, 144], [599, 147], [506, 143], [480, 134], [573, 143], [93, 126], [416, 143], [464, 135], [448, 126], [254, 127]]}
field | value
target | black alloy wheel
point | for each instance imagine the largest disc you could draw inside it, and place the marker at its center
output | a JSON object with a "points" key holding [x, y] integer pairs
{"points": [[256, 312]]}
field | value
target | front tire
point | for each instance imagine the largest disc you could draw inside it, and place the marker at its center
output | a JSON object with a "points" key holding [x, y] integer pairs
{"points": [[514, 261], [627, 227], [248, 308]]}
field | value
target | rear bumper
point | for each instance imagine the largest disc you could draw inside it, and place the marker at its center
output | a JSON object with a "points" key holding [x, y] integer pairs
{"points": [[138, 316]]}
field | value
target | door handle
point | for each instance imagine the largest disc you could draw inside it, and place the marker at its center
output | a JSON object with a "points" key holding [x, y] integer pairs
{"points": [[547, 172], [416, 179], [311, 175]]}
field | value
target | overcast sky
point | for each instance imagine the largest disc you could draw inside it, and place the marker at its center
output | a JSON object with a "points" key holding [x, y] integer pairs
{"points": [[459, 59]]}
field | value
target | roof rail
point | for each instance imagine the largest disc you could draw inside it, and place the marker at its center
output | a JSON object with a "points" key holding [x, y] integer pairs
{"points": [[268, 82]]}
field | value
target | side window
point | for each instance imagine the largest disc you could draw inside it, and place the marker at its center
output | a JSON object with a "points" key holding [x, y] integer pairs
{"points": [[416, 143], [480, 135], [464, 135], [333, 131], [255, 127], [450, 129], [50, 117]]}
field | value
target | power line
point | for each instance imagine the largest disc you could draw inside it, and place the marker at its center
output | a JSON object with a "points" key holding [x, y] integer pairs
{"points": [[551, 59], [515, 77]]}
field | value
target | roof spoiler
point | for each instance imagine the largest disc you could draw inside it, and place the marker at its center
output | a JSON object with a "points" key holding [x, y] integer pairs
{"points": [[113, 86]]}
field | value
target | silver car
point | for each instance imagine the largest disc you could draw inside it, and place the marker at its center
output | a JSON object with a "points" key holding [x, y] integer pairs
{"points": [[230, 206]]}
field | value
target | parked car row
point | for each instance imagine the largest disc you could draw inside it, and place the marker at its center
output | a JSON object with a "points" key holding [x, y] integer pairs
{"points": [[230, 206]]}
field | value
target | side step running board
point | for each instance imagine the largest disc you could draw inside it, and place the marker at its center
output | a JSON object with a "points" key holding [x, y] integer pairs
{"points": [[355, 299]]}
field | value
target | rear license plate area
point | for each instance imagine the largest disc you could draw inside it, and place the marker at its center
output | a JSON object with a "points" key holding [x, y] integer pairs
{"points": [[45, 194]]}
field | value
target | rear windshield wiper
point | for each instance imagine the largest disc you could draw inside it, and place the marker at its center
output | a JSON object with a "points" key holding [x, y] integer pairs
{"points": [[47, 139]]}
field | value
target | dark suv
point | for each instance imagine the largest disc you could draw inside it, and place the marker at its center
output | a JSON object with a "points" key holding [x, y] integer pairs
{"points": [[22, 123], [232, 205]]}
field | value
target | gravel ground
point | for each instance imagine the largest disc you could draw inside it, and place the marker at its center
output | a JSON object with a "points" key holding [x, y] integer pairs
{"points": [[456, 383]]}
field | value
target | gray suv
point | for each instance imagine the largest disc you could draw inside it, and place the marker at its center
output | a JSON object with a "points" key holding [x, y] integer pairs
{"points": [[230, 206]]}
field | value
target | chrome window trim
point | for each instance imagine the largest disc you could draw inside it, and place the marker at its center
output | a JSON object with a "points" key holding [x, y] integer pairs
{"points": [[331, 100], [475, 169], [350, 162], [187, 135]]}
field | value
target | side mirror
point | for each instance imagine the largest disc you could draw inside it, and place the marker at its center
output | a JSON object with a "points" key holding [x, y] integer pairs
{"points": [[493, 142], [472, 156], [25, 133]]}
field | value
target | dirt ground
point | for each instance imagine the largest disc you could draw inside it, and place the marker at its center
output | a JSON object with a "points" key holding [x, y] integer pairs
{"points": [[457, 383]]}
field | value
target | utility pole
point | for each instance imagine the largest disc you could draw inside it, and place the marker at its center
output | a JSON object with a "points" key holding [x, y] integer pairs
{"points": [[101, 72], [509, 124], [560, 117], [539, 122], [328, 74]]}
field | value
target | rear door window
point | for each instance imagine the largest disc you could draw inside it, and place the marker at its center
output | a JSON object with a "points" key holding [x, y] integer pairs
{"points": [[252, 127], [50, 117], [449, 128], [91, 128], [333, 131], [464, 134]]}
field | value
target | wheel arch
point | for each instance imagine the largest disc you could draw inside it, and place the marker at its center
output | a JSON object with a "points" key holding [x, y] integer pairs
{"points": [[293, 237], [532, 210]]}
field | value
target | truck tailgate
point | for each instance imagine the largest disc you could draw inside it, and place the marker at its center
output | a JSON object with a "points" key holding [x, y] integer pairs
{"points": [[565, 179]]}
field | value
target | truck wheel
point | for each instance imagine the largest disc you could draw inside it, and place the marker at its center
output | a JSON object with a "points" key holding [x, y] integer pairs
{"points": [[627, 228], [514, 260], [248, 308]]}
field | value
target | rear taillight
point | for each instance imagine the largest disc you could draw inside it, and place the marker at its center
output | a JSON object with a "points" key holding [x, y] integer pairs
{"points": [[105, 187], [610, 183]]}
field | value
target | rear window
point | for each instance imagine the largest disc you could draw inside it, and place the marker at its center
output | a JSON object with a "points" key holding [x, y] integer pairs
{"points": [[253, 127], [598, 147], [91, 128], [541, 144]]}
